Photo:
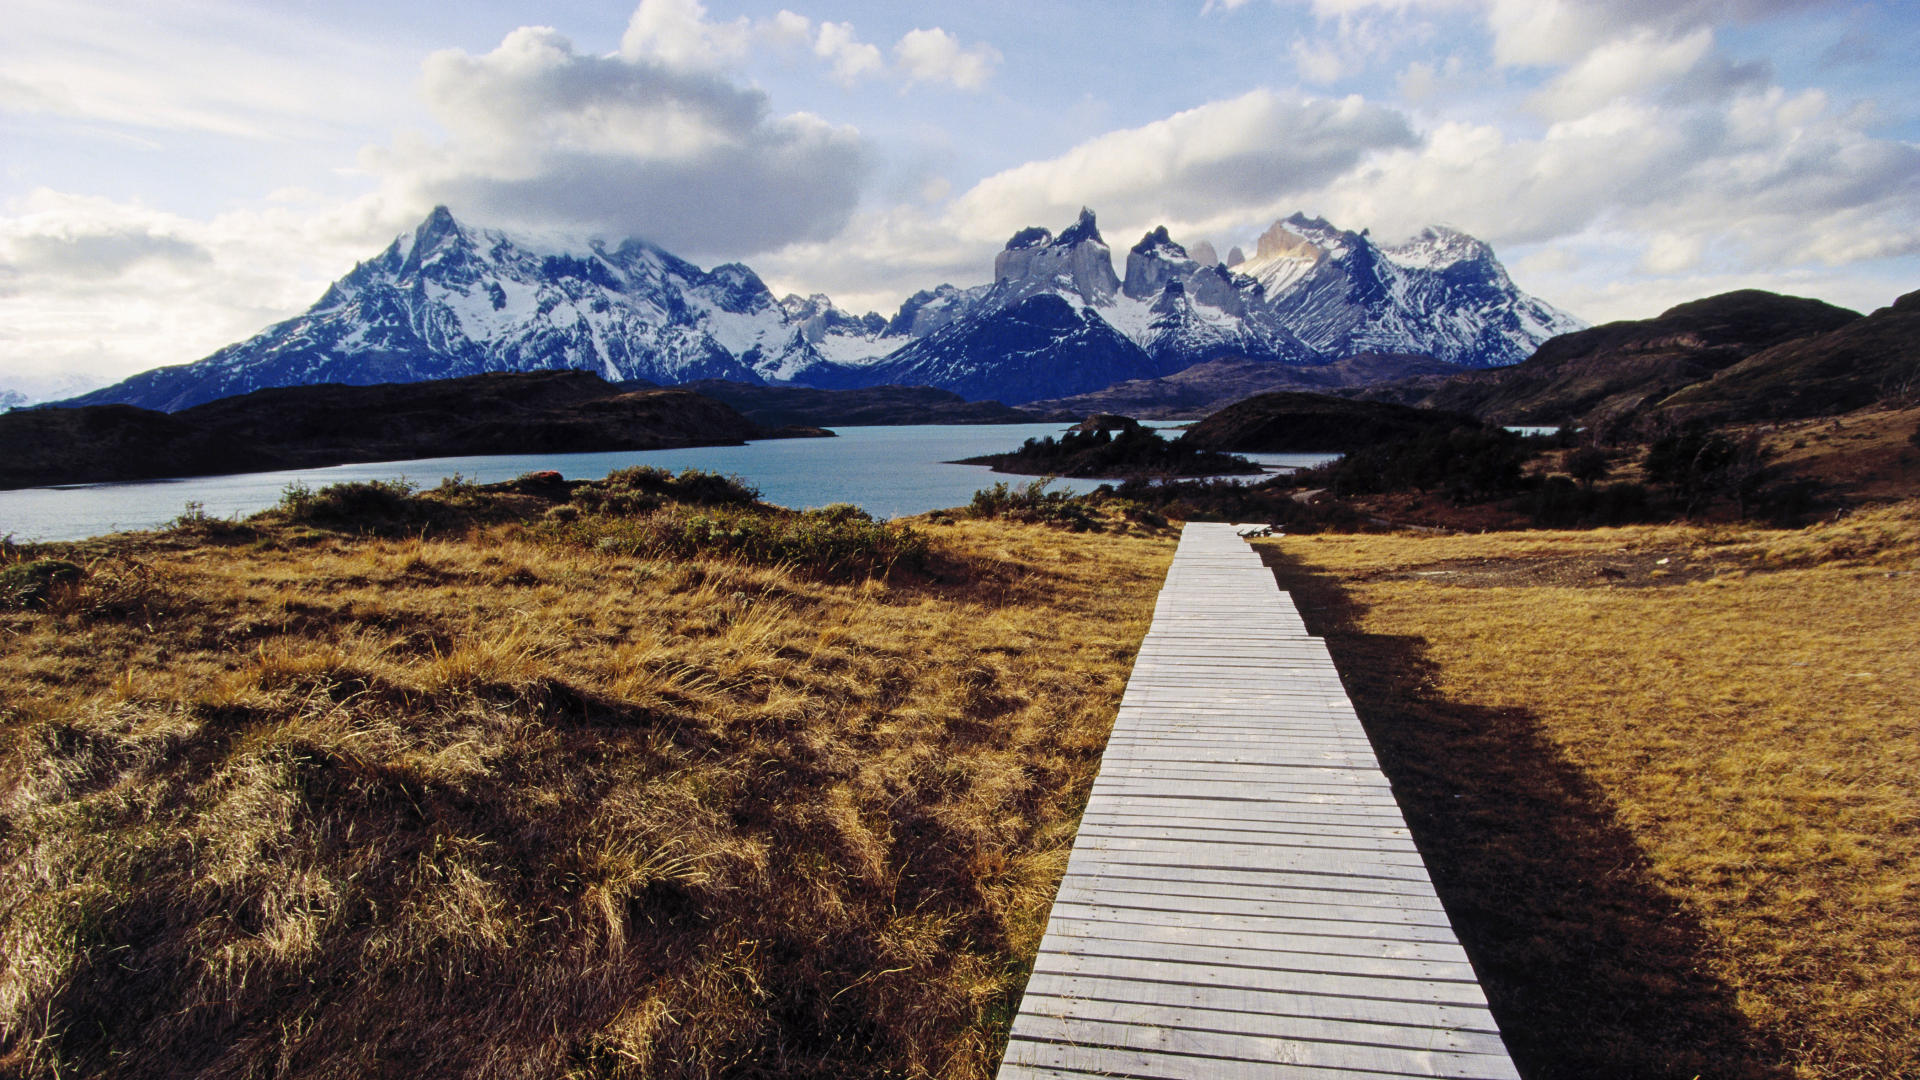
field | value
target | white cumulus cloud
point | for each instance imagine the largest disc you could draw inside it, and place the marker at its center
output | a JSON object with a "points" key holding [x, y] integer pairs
{"points": [[935, 56], [1229, 159], [680, 34], [539, 134], [851, 59]]}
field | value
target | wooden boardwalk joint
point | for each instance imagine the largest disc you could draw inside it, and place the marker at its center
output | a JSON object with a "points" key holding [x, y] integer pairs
{"points": [[1243, 899]]}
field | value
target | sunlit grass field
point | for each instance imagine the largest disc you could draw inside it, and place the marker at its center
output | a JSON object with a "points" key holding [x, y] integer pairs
{"points": [[525, 800], [1667, 779], [645, 780]]}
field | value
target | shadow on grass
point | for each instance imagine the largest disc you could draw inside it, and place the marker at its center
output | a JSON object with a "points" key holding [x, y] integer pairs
{"points": [[1591, 969]]}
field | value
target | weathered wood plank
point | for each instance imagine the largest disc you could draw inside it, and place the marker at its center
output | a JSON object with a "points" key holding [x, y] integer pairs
{"points": [[1417, 1016], [1174, 1038]]}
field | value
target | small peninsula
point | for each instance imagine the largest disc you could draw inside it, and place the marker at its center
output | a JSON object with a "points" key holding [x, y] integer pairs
{"points": [[1113, 447]]}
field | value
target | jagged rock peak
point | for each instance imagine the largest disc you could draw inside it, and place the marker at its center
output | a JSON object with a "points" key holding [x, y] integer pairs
{"points": [[1080, 231], [1158, 241], [740, 276], [1287, 239], [438, 225], [1076, 259], [1155, 263], [1436, 246], [930, 309], [1032, 236], [1235, 256], [1203, 253], [799, 307], [436, 232]]}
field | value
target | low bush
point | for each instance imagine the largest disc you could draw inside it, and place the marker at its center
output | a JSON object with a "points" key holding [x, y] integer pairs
{"points": [[1702, 465], [835, 541], [354, 505], [1468, 464], [31, 584], [644, 488], [1033, 503], [195, 522]]}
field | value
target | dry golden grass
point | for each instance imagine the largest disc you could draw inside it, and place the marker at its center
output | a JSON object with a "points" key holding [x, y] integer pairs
{"points": [[1666, 774], [505, 806]]}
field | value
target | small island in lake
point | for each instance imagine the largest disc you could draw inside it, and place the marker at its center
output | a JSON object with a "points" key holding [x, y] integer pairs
{"points": [[1113, 447]]}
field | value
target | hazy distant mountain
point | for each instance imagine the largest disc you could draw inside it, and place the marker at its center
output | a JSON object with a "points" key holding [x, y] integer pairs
{"points": [[449, 299]]}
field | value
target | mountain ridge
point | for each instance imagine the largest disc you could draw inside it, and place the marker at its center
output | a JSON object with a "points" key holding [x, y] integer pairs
{"points": [[450, 299]]}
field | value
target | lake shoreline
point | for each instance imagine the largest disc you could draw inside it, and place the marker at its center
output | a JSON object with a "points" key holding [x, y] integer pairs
{"points": [[889, 471]]}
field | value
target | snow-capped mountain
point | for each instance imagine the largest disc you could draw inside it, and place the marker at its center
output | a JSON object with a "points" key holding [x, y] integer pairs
{"points": [[450, 299], [1186, 309], [1040, 328], [12, 399], [1442, 293]]}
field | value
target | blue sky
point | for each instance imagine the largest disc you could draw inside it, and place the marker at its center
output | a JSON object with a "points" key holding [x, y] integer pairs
{"points": [[179, 175]]}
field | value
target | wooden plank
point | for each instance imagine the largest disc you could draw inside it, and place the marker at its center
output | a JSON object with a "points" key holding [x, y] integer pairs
{"points": [[1386, 891], [1428, 1016], [1227, 981], [1095, 1040], [1252, 902], [1152, 923], [1134, 1032]]}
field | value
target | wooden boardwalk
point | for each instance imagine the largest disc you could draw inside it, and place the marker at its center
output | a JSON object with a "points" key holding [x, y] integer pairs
{"points": [[1243, 899]]}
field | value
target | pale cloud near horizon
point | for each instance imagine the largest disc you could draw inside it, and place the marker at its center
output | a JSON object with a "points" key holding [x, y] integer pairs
{"points": [[1619, 155], [93, 289]]}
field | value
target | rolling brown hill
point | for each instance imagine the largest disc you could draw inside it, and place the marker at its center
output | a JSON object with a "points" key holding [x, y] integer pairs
{"points": [[1289, 422], [1866, 361], [1608, 372]]}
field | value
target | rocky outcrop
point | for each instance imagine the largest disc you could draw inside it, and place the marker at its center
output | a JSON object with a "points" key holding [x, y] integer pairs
{"points": [[1035, 261], [1153, 262]]}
